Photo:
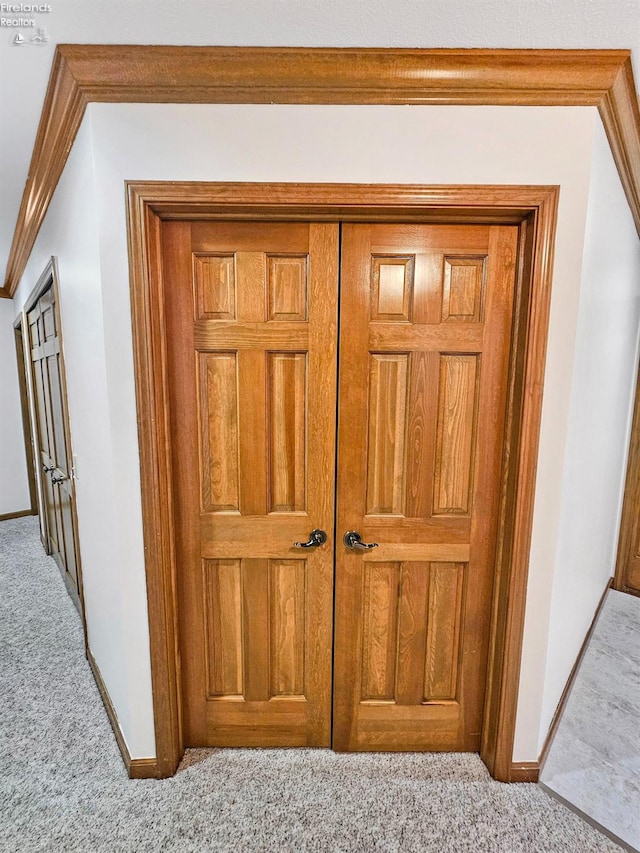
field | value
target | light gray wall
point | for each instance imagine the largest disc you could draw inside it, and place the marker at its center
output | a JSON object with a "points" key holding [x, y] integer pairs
{"points": [[603, 385], [376, 144], [14, 485], [440, 145], [71, 232]]}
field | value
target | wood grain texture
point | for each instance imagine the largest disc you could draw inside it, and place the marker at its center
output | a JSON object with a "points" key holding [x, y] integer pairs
{"points": [[215, 285], [412, 632], [419, 436], [223, 617], [288, 602], [387, 429], [287, 280], [455, 443], [535, 208], [463, 289], [218, 433], [22, 513], [379, 631], [460, 429], [524, 771], [522, 430], [392, 288], [287, 402], [444, 618], [255, 643], [82, 74], [627, 573], [20, 339]]}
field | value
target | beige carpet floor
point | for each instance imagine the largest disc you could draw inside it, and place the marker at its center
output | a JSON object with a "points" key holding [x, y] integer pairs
{"points": [[63, 786]]}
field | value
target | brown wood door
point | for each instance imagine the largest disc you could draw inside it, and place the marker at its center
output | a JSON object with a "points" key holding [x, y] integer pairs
{"points": [[252, 331], [627, 575], [53, 439], [424, 350], [424, 344]]}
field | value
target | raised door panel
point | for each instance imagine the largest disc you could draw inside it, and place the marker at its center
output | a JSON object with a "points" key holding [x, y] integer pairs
{"points": [[423, 384], [455, 439], [252, 324], [411, 622], [386, 438], [287, 406], [219, 439]]}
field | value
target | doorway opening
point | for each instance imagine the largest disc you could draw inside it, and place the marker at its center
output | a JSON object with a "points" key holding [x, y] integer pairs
{"points": [[45, 372]]}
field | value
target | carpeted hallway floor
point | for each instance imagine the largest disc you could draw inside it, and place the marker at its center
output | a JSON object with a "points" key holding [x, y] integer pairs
{"points": [[63, 786]]}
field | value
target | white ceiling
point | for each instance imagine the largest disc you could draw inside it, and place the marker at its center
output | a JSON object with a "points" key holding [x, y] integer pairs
{"points": [[24, 70]]}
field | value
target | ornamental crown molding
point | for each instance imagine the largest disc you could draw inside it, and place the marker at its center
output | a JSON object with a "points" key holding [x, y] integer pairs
{"points": [[83, 74]]}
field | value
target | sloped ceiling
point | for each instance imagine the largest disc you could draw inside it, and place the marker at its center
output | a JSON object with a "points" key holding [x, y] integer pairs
{"points": [[24, 69]]}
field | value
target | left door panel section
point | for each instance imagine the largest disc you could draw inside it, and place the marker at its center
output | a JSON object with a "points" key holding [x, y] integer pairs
{"points": [[251, 314]]}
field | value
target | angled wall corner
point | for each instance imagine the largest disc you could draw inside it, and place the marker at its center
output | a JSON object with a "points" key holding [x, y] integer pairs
{"points": [[599, 422], [286, 142]]}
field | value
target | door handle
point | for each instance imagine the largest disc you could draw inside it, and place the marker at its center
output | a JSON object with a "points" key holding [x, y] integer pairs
{"points": [[352, 539], [47, 469], [316, 538], [56, 480]]}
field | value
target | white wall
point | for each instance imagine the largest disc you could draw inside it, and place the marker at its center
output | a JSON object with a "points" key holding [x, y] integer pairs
{"points": [[362, 144], [14, 484], [70, 232], [86, 228], [604, 375]]}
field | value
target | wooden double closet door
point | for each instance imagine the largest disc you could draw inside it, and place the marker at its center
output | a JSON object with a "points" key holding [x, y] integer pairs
{"points": [[349, 379]]}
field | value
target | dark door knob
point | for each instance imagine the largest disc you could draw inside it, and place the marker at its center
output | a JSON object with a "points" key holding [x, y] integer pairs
{"points": [[352, 539], [316, 538]]}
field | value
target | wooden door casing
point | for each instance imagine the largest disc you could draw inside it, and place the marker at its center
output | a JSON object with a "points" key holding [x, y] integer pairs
{"points": [[627, 574], [252, 333], [534, 210], [424, 355], [54, 454]]}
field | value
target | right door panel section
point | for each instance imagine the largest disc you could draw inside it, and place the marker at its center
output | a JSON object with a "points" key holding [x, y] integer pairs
{"points": [[426, 317]]}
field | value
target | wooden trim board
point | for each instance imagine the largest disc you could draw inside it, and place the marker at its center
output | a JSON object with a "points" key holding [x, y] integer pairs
{"points": [[23, 513], [137, 768], [524, 771], [83, 74], [29, 445], [627, 577], [535, 209]]}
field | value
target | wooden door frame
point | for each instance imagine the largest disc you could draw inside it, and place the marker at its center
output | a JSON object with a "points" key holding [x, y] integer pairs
{"points": [[50, 277], [628, 537], [29, 441], [534, 210]]}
